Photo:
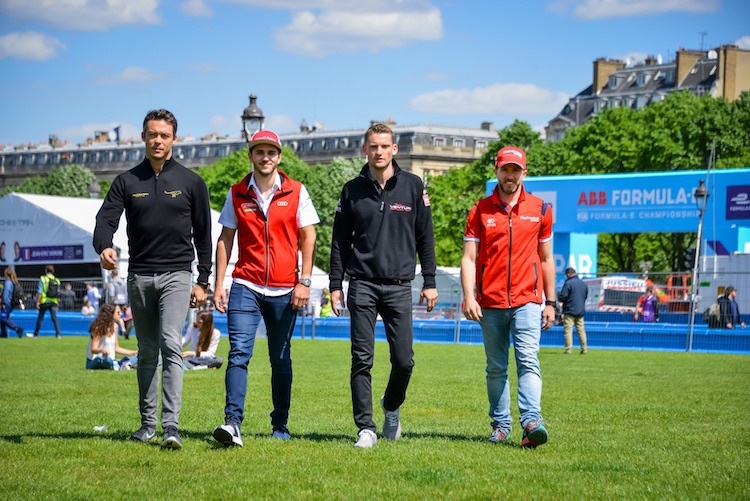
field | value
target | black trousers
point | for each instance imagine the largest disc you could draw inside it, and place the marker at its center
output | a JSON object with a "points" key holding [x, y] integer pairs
{"points": [[52, 308], [394, 304]]}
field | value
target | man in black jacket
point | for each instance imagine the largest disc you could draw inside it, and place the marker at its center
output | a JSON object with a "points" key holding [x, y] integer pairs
{"points": [[168, 213], [573, 298], [383, 220], [729, 311]]}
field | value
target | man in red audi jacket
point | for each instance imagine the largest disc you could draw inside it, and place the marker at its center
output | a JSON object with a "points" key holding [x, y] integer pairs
{"points": [[508, 279], [273, 218]]}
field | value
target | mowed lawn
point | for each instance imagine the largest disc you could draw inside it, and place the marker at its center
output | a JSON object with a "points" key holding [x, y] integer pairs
{"points": [[623, 425]]}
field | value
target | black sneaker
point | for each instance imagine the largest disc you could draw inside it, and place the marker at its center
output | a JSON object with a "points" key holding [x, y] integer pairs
{"points": [[20, 332], [144, 434], [172, 438]]}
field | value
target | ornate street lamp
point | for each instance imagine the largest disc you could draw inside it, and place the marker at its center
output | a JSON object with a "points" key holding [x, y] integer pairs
{"points": [[252, 119]]}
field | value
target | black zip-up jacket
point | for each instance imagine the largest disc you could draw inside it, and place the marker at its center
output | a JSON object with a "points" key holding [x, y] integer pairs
{"points": [[164, 213], [378, 234]]}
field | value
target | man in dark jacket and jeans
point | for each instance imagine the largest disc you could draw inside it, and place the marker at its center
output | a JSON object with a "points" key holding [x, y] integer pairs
{"points": [[573, 298], [383, 220]]}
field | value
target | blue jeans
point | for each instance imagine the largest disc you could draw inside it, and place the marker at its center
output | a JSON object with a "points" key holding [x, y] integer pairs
{"points": [[50, 307], [160, 304], [100, 363], [524, 325], [244, 313]]}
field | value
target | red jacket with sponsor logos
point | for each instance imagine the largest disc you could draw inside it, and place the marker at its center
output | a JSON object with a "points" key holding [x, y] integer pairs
{"points": [[509, 270], [267, 244]]}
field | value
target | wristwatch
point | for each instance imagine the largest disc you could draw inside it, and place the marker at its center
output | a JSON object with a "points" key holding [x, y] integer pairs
{"points": [[551, 303], [305, 281]]}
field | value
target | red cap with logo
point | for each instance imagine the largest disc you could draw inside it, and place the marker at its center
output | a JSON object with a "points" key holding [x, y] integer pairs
{"points": [[511, 155], [265, 137]]}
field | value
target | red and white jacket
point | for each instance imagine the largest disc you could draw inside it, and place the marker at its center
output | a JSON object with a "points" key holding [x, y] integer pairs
{"points": [[267, 244], [508, 267]]}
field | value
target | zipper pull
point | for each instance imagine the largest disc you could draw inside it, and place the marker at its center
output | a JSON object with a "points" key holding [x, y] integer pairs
{"points": [[382, 204]]}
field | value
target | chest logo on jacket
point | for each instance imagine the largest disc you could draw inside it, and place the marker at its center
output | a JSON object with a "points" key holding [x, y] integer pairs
{"points": [[282, 203], [173, 193], [248, 207], [491, 222], [533, 219], [139, 195], [399, 208]]}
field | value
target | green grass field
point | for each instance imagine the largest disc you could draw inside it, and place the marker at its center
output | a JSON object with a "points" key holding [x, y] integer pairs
{"points": [[623, 425]]}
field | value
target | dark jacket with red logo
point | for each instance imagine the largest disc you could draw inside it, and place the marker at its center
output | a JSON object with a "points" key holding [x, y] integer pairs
{"points": [[377, 234], [267, 244]]}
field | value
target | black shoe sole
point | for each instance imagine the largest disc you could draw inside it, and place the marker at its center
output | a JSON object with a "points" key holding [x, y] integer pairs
{"points": [[223, 437], [171, 443]]}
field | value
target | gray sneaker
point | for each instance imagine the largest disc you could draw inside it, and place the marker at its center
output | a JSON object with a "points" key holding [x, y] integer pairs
{"points": [[144, 434], [392, 423], [172, 438], [228, 435]]}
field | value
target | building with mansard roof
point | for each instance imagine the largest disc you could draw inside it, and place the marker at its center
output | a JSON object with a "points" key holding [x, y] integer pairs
{"points": [[722, 72]]}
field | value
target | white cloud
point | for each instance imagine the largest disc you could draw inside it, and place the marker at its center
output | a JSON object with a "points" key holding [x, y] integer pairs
{"points": [[29, 45], [130, 75], [85, 15], [598, 9], [502, 99], [743, 43], [196, 8], [351, 31]]}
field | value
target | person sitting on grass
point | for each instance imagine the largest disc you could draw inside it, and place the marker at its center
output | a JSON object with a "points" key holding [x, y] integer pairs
{"points": [[103, 343], [87, 309], [203, 338]]}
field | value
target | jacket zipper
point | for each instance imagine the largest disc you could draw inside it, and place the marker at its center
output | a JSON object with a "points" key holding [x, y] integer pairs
{"points": [[510, 251]]}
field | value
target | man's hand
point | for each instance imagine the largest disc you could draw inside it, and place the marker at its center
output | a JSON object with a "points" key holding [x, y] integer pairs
{"points": [[108, 258], [220, 299], [548, 317], [431, 295], [198, 296], [337, 297], [300, 296], [472, 310]]}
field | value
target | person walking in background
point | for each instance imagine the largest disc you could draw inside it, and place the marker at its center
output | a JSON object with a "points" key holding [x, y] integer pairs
{"points": [[382, 222], [274, 219], [325, 303], [729, 311], [93, 294], [11, 288], [507, 272], [47, 296], [647, 307], [573, 298], [117, 290], [67, 298], [103, 344], [127, 318], [169, 219]]}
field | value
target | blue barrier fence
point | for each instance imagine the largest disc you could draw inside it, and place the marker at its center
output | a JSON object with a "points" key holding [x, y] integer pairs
{"points": [[607, 335]]}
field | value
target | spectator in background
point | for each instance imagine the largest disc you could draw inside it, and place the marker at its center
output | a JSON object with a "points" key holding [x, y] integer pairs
{"points": [[67, 298], [729, 310], [47, 297], [93, 294], [88, 308], [573, 298], [117, 290], [203, 338], [7, 307], [647, 307], [127, 318], [103, 345], [325, 303]]}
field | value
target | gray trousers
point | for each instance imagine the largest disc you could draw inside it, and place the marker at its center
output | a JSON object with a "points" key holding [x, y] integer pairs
{"points": [[160, 305]]}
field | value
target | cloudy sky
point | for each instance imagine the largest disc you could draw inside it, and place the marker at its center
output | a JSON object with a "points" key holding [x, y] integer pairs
{"points": [[73, 67]]}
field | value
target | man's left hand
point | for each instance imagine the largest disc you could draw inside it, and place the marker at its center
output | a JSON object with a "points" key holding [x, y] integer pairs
{"points": [[431, 295], [300, 297], [198, 296], [548, 317]]}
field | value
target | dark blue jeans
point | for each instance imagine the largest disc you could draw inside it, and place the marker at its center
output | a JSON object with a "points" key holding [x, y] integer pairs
{"points": [[52, 308], [246, 308]]}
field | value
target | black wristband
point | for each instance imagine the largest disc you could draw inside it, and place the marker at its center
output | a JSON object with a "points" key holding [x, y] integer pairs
{"points": [[551, 303], [205, 285]]}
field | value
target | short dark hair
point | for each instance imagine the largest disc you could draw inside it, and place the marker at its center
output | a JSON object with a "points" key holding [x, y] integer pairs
{"points": [[49, 269], [729, 290], [161, 114], [379, 128], [570, 271]]}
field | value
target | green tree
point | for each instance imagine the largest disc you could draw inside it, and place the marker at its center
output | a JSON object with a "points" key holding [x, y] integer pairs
{"points": [[66, 181]]}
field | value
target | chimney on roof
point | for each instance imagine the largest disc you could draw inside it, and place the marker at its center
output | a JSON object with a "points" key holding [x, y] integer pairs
{"points": [[488, 126], [603, 69], [686, 59], [650, 60]]}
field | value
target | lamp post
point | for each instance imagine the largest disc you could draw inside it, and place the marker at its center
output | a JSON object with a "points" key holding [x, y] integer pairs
{"points": [[700, 195], [252, 119]]}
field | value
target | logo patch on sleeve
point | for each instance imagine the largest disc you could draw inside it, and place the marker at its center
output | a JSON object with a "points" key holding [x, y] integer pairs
{"points": [[426, 200]]}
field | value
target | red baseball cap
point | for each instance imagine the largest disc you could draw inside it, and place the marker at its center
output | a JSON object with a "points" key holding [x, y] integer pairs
{"points": [[511, 155], [265, 137]]}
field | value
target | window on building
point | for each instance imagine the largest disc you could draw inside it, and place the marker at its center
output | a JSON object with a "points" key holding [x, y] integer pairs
{"points": [[481, 144], [438, 141], [669, 77], [459, 143], [642, 79], [641, 101]]}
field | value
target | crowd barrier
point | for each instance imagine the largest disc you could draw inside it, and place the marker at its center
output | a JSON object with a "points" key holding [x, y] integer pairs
{"points": [[626, 335]]}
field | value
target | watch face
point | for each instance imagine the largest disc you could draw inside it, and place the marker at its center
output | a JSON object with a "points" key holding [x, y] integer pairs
{"points": [[305, 281]]}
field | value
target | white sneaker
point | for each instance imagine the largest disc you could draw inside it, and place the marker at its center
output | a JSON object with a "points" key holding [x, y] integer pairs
{"points": [[392, 424], [228, 435], [367, 439]]}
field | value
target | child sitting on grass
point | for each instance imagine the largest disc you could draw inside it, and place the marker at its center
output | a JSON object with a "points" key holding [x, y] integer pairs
{"points": [[203, 338], [103, 343]]}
